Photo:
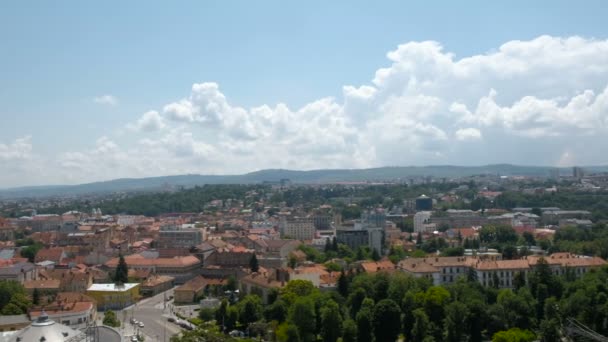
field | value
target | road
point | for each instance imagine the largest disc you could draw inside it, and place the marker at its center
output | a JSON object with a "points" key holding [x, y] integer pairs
{"points": [[153, 312]]}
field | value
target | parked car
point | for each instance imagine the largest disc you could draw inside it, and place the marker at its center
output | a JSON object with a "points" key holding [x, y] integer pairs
{"points": [[171, 319], [140, 324]]}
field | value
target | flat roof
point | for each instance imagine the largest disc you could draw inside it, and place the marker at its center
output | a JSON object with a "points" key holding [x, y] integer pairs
{"points": [[112, 287]]}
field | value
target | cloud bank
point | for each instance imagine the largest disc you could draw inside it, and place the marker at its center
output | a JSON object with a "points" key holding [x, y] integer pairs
{"points": [[542, 101]]}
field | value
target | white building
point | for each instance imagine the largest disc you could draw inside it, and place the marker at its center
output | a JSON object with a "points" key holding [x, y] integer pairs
{"points": [[421, 218]]}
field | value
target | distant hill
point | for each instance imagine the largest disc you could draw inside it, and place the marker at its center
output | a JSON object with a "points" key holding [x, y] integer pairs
{"points": [[302, 177]]}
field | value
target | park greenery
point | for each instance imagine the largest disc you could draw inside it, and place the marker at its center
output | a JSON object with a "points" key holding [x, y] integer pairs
{"points": [[388, 306], [13, 298], [110, 319]]}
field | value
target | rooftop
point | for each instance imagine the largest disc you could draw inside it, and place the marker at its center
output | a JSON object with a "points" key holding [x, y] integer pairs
{"points": [[112, 287]]}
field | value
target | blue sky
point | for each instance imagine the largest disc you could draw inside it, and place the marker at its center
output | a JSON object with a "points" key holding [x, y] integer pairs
{"points": [[57, 57]]}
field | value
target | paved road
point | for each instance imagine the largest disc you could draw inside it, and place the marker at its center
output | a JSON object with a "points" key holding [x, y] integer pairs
{"points": [[153, 312]]}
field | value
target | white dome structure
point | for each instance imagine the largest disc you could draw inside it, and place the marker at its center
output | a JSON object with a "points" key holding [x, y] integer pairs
{"points": [[46, 330]]}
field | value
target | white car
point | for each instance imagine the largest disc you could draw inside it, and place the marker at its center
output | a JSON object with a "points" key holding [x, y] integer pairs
{"points": [[140, 324]]}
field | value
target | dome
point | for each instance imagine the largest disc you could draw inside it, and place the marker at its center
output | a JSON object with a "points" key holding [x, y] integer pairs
{"points": [[46, 330]]}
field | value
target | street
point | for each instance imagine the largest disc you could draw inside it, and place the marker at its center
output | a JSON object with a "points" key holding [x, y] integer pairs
{"points": [[153, 312]]}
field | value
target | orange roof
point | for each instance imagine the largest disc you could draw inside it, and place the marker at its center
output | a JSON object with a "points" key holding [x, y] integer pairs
{"points": [[138, 260], [373, 266], [42, 284], [62, 308]]}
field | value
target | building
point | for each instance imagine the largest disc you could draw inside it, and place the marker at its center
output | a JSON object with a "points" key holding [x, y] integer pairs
{"points": [[179, 236], [76, 315], [181, 268], [374, 218], [114, 297], [488, 270], [192, 290], [421, 218], [17, 270], [353, 238], [578, 172], [261, 284], [424, 203], [156, 284], [46, 223], [47, 330], [13, 323], [299, 228]]}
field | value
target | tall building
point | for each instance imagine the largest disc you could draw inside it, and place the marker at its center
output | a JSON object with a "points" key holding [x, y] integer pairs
{"points": [[374, 218], [299, 228], [578, 172], [424, 203], [421, 218], [179, 236]]}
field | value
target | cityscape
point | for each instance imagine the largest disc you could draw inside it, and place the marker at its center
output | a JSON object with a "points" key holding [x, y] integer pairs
{"points": [[303, 172]]}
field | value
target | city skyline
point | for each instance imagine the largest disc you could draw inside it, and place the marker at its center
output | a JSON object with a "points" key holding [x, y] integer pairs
{"points": [[115, 91]]}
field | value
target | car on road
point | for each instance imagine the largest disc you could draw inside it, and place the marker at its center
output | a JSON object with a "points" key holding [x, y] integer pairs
{"points": [[171, 319], [133, 321], [140, 324], [134, 339]]}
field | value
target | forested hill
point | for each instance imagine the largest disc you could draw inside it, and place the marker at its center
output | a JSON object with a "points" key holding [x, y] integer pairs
{"points": [[274, 175]]}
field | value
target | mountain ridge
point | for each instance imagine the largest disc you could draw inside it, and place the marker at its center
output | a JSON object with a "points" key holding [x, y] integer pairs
{"points": [[387, 173]]}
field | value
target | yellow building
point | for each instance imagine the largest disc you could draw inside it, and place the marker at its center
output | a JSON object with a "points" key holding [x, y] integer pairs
{"points": [[114, 297]]}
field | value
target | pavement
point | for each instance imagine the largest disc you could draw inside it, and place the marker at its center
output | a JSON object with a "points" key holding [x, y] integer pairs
{"points": [[153, 312]]}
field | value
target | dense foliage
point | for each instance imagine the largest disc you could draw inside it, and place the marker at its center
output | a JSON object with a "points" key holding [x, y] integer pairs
{"points": [[13, 299], [383, 307]]}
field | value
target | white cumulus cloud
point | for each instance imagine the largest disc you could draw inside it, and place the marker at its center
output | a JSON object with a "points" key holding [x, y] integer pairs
{"points": [[531, 102], [107, 99], [148, 122]]}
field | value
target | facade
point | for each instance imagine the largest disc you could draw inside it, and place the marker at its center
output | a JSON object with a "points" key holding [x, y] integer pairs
{"points": [[353, 238], [75, 315], [190, 291], [424, 203], [114, 297], [18, 271], [46, 223], [178, 236], [299, 228], [421, 218], [155, 285], [181, 268], [446, 270]]}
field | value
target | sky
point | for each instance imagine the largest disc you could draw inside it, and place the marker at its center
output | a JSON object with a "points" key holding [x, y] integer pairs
{"points": [[115, 89]]}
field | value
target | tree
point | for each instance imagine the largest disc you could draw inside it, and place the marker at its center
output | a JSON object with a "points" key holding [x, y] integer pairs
{"points": [[232, 317], [375, 255], [519, 280], [386, 320], [109, 319], [514, 335], [349, 331], [331, 322], [455, 321], [421, 325], [250, 309], [302, 315], [36, 296], [253, 263], [549, 330], [122, 271], [276, 311], [364, 323], [11, 309], [343, 284]]}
